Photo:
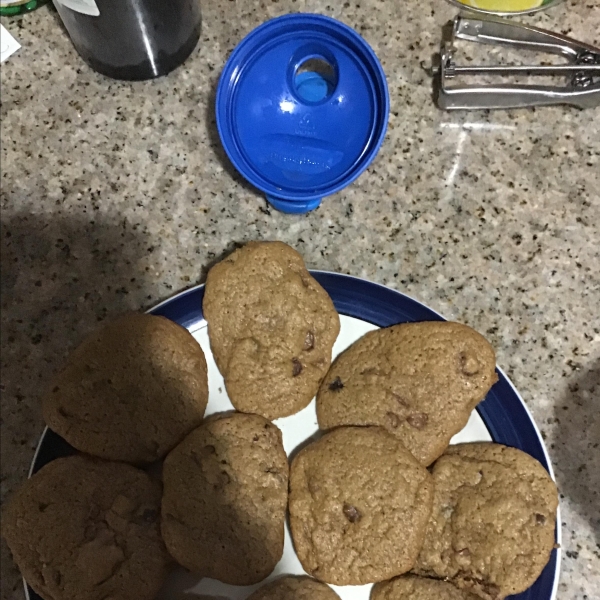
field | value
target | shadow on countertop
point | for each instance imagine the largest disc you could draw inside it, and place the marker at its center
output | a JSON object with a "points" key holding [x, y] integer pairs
{"points": [[60, 277], [577, 447]]}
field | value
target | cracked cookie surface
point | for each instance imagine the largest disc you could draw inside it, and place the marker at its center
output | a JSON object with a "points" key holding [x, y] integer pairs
{"points": [[271, 327], [225, 498], [295, 588], [130, 391], [83, 528], [418, 380], [492, 527], [359, 505], [411, 587]]}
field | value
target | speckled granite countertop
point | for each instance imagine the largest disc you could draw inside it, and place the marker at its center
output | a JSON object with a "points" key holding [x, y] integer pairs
{"points": [[117, 195]]}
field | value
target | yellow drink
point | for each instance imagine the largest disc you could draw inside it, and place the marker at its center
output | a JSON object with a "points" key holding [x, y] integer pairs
{"points": [[506, 7]]}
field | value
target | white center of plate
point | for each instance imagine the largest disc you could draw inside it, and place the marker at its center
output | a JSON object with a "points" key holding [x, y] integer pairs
{"points": [[296, 430]]}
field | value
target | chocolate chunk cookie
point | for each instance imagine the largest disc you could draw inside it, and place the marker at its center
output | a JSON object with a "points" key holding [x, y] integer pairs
{"points": [[271, 328], [359, 505], [410, 587], [84, 528], [492, 526], [131, 391], [295, 588], [418, 380], [225, 497]]}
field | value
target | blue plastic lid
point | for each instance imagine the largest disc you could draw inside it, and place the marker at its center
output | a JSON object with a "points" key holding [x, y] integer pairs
{"points": [[302, 109]]}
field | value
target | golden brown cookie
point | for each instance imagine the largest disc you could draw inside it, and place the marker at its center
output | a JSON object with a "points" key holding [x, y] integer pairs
{"points": [[271, 328], [225, 497], [85, 528], [492, 526], [359, 505], [418, 380], [295, 588], [411, 587], [131, 391]]}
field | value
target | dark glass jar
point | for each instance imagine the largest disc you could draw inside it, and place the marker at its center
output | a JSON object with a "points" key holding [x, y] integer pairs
{"points": [[132, 39]]}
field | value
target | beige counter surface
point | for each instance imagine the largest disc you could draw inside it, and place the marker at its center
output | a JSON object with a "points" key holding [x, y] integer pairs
{"points": [[117, 195]]}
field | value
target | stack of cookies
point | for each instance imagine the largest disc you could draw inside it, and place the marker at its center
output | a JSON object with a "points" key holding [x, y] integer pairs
{"points": [[379, 497]]}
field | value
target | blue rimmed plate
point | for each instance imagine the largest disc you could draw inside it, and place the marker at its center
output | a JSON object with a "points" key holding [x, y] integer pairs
{"points": [[502, 417]]}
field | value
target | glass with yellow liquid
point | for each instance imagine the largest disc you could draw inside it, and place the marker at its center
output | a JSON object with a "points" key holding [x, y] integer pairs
{"points": [[505, 7]]}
